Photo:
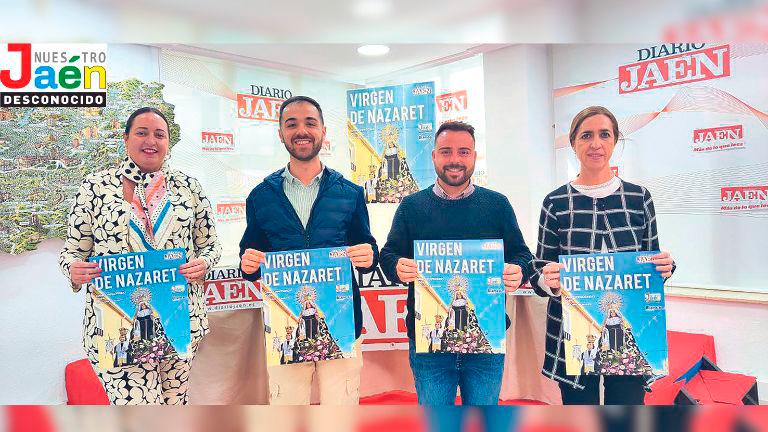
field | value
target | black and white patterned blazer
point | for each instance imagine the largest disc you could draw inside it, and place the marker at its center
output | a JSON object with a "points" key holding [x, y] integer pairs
{"points": [[573, 223], [98, 225]]}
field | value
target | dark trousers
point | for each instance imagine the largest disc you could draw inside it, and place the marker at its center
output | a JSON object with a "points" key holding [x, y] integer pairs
{"points": [[146, 327], [619, 390], [460, 317], [311, 325]]}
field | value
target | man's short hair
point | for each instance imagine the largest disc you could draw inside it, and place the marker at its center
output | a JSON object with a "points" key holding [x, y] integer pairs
{"points": [[296, 99], [456, 126]]}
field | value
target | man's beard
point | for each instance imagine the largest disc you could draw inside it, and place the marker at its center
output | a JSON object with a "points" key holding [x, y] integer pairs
{"points": [[316, 147], [468, 171]]}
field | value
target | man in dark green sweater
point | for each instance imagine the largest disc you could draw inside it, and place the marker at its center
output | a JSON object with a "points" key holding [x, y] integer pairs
{"points": [[454, 209]]}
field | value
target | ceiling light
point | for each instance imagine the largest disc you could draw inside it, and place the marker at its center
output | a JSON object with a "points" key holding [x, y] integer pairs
{"points": [[373, 50]]}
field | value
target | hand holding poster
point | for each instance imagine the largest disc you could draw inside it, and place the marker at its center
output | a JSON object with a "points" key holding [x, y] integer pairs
{"points": [[461, 296], [143, 306], [308, 293], [613, 309]]}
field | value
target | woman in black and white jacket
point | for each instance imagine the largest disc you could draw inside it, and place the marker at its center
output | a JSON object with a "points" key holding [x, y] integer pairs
{"points": [[137, 206], [597, 212]]}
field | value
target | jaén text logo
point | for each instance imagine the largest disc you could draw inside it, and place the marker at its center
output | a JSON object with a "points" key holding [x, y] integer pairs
{"points": [[53, 75]]}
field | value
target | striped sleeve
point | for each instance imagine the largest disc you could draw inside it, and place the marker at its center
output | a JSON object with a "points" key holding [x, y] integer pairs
{"points": [[548, 247], [651, 235]]}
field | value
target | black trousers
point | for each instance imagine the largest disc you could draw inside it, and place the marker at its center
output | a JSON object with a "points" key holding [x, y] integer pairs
{"points": [[311, 325], [146, 327], [619, 390], [461, 317]]}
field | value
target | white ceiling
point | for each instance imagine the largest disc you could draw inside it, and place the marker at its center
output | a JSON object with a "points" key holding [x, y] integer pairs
{"points": [[337, 61], [334, 21], [376, 21]]}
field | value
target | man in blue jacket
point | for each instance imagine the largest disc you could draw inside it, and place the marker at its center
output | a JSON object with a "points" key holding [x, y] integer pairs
{"points": [[306, 206]]}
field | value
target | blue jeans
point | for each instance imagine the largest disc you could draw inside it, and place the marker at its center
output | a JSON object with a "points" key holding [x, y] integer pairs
{"points": [[437, 375]]}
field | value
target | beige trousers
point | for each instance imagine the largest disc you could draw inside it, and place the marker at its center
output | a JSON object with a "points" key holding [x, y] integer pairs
{"points": [[338, 381]]}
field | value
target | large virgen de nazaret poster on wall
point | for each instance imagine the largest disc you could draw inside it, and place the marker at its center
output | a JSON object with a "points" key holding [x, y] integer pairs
{"points": [[461, 294], [390, 132], [614, 314], [309, 314]]}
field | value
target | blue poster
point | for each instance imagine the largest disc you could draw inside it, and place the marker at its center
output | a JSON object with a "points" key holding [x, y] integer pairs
{"points": [[460, 296], [391, 131], [309, 301], [613, 310], [142, 307]]}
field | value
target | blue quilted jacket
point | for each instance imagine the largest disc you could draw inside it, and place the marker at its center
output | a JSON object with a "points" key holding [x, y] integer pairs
{"points": [[339, 217]]}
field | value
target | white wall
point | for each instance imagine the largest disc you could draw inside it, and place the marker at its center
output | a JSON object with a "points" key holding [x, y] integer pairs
{"points": [[41, 327], [519, 135]]}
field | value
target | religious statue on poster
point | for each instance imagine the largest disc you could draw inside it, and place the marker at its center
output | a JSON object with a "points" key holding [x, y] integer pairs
{"points": [[462, 332], [149, 343], [618, 351], [313, 342], [395, 180]]}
